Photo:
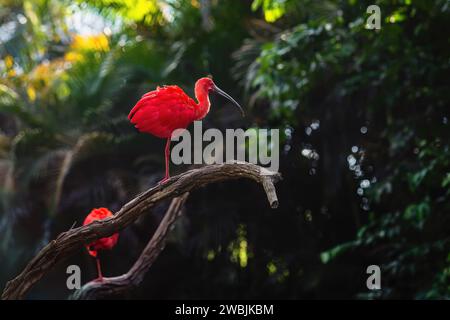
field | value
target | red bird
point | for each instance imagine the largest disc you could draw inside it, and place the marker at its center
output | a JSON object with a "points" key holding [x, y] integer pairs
{"points": [[101, 244], [162, 111]]}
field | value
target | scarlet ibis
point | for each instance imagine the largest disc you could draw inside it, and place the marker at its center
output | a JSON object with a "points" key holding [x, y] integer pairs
{"points": [[160, 112], [101, 244]]}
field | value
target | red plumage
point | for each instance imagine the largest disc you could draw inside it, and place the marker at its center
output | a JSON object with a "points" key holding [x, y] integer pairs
{"points": [[104, 243], [162, 111]]}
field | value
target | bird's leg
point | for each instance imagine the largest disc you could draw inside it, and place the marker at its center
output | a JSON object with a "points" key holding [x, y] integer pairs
{"points": [[99, 269], [167, 155]]}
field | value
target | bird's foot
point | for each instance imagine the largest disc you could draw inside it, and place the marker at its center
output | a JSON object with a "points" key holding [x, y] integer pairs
{"points": [[163, 181]]}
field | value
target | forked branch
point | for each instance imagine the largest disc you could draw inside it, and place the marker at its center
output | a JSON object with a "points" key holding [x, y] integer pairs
{"points": [[67, 243], [114, 286]]}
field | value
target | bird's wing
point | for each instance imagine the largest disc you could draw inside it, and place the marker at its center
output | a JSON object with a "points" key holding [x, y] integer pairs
{"points": [[163, 110]]}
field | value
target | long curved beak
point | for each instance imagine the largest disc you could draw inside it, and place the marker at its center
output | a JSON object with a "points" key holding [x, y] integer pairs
{"points": [[226, 95]]}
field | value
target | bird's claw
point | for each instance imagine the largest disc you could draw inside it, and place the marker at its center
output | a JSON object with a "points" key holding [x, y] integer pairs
{"points": [[163, 181]]}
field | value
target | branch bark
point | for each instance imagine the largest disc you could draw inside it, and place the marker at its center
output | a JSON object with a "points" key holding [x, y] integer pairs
{"points": [[67, 243], [114, 286]]}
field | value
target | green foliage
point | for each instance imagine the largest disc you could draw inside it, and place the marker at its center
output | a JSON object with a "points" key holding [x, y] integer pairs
{"points": [[342, 59], [273, 10]]}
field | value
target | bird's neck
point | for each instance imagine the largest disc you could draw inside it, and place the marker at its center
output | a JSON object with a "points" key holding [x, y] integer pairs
{"points": [[203, 102]]}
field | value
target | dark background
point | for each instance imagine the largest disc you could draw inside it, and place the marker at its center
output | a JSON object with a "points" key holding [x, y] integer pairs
{"points": [[364, 153]]}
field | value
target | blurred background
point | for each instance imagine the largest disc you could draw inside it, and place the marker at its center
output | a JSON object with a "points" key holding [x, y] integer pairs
{"points": [[363, 116]]}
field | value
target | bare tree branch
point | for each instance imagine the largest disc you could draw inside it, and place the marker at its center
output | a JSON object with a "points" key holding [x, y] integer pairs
{"points": [[67, 243], [116, 285]]}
